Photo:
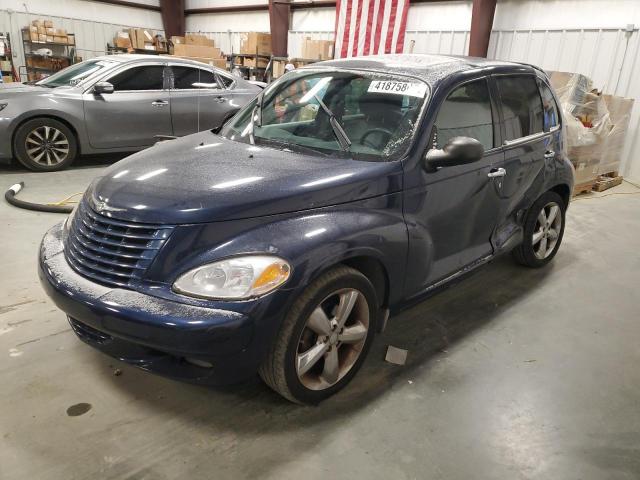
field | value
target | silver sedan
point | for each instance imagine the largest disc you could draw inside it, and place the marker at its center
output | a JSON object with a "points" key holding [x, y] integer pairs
{"points": [[114, 103]]}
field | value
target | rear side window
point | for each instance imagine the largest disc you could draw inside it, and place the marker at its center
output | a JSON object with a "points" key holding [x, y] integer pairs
{"points": [[190, 78], [148, 77], [466, 113], [549, 108], [521, 105], [225, 81]]}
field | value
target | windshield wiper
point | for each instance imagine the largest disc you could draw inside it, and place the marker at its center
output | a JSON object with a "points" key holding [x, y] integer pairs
{"points": [[338, 131], [292, 147]]}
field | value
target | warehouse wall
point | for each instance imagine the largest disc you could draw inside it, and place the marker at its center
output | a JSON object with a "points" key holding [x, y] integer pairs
{"points": [[222, 22], [585, 36], [93, 23]]}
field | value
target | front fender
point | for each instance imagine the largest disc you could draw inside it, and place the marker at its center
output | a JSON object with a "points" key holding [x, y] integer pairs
{"points": [[311, 241]]}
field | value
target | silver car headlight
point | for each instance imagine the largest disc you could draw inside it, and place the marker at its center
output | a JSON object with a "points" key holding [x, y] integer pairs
{"points": [[236, 278]]}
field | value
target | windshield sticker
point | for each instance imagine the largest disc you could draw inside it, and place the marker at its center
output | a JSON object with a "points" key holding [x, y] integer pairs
{"points": [[413, 89]]}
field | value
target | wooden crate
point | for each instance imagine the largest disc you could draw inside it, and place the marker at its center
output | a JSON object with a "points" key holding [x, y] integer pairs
{"points": [[607, 181], [583, 187]]}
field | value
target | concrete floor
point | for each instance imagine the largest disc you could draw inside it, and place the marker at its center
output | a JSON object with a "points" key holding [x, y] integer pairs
{"points": [[513, 374]]}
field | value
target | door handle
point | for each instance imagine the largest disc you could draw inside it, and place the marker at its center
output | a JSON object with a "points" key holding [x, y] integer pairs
{"points": [[221, 99], [497, 172], [549, 154], [160, 103]]}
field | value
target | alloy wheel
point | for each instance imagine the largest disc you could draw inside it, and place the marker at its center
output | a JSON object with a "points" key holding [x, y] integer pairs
{"points": [[332, 339], [547, 230], [47, 145]]}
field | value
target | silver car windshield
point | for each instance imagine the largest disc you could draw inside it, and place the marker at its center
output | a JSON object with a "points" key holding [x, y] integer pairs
{"points": [[360, 115], [75, 74]]}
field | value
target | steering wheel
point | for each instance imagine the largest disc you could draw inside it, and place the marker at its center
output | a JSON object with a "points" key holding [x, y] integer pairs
{"points": [[387, 135]]}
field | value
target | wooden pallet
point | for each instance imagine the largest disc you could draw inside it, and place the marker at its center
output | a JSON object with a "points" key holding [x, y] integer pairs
{"points": [[583, 187], [606, 181]]}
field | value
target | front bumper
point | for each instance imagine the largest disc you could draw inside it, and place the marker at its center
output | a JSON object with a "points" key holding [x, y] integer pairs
{"points": [[150, 332]]}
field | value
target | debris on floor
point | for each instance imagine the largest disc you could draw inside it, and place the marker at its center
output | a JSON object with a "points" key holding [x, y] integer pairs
{"points": [[396, 355], [117, 372], [78, 409]]}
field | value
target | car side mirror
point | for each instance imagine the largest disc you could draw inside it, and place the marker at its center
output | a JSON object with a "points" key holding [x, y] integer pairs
{"points": [[102, 87], [457, 151]]}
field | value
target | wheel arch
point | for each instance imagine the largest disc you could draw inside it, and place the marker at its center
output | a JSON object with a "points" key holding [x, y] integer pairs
{"points": [[564, 191], [58, 118]]}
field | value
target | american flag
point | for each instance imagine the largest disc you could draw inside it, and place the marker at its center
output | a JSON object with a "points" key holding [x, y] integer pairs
{"points": [[370, 27]]}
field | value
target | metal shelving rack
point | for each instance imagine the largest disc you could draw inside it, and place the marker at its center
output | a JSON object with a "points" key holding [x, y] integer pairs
{"points": [[63, 56], [7, 56]]}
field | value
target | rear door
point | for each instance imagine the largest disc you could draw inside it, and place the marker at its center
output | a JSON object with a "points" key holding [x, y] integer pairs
{"points": [[198, 100], [134, 113], [528, 145]]}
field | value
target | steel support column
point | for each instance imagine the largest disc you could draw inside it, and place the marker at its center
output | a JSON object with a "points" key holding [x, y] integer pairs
{"points": [[279, 15], [172, 17], [481, 23]]}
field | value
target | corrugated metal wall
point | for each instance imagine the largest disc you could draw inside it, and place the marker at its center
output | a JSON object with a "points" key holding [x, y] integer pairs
{"points": [[91, 37]]}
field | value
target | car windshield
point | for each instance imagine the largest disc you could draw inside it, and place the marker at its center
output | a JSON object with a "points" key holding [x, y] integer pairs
{"points": [[335, 113], [75, 74]]}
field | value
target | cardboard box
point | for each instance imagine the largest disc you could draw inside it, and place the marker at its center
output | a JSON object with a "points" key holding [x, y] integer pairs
{"points": [[200, 51], [50, 30], [33, 28], [60, 39], [5, 65], [42, 30], [60, 31], [278, 68], [50, 38], [71, 40], [177, 40], [122, 40], [33, 36], [256, 42], [48, 23], [253, 62], [37, 23], [140, 37], [42, 37], [197, 39], [317, 49]]}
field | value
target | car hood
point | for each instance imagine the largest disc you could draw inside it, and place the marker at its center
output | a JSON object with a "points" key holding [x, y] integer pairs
{"points": [[17, 90], [205, 178]]}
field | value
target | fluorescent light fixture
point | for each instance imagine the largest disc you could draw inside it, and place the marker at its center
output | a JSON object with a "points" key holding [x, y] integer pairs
{"points": [[315, 89], [152, 173], [236, 183]]}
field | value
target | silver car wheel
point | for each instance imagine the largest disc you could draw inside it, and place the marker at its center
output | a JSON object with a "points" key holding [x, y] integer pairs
{"points": [[332, 339], [547, 230], [47, 145]]}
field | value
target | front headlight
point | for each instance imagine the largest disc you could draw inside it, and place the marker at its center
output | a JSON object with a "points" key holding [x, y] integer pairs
{"points": [[236, 278]]}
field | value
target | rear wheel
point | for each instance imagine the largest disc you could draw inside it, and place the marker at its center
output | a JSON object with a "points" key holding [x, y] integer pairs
{"points": [[45, 144], [543, 231], [324, 339]]}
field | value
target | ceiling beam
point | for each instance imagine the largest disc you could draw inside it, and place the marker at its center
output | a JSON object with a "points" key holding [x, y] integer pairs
{"points": [[124, 3]]}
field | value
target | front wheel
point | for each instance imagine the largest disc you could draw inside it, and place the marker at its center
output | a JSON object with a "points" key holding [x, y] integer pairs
{"points": [[45, 144], [543, 231], [324, 338]]}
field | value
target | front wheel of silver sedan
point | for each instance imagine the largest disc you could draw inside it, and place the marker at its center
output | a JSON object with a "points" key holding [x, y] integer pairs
{"points": [[325, 337], [45, 144]]}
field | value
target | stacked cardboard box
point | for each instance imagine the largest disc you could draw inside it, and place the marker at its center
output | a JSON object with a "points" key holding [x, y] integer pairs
{"points": [[317, 49], [256, 43], [199, 48], [44, 31], [141, 39], [596, 125]]}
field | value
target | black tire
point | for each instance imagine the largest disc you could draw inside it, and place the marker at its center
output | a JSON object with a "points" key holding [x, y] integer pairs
{"points": [[525, 253], [279, 368], [54, 157]]}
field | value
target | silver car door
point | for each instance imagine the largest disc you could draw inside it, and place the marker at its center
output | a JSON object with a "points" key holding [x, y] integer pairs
{"points": [[135, 113], [197, 100]]}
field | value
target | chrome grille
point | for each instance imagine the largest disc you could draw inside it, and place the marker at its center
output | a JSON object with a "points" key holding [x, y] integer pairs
{"points": [[112, 252]]}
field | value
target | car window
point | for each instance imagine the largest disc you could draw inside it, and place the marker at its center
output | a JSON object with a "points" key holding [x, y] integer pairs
{"points": [[365, 116], [549, 108], [77, 73], [466, 113], [225, 81], [147, 77], [521, 105], [189, 78]]}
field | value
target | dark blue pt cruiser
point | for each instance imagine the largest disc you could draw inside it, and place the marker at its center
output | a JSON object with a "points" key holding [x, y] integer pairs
{"points": [[280, 243]]}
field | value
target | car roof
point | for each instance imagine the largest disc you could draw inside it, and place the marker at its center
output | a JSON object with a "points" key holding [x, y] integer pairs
{"points": [[133, 57], [430, 68]]}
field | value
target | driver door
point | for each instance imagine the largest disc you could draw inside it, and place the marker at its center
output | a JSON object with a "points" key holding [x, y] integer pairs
{"points": [[452, 212]]}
